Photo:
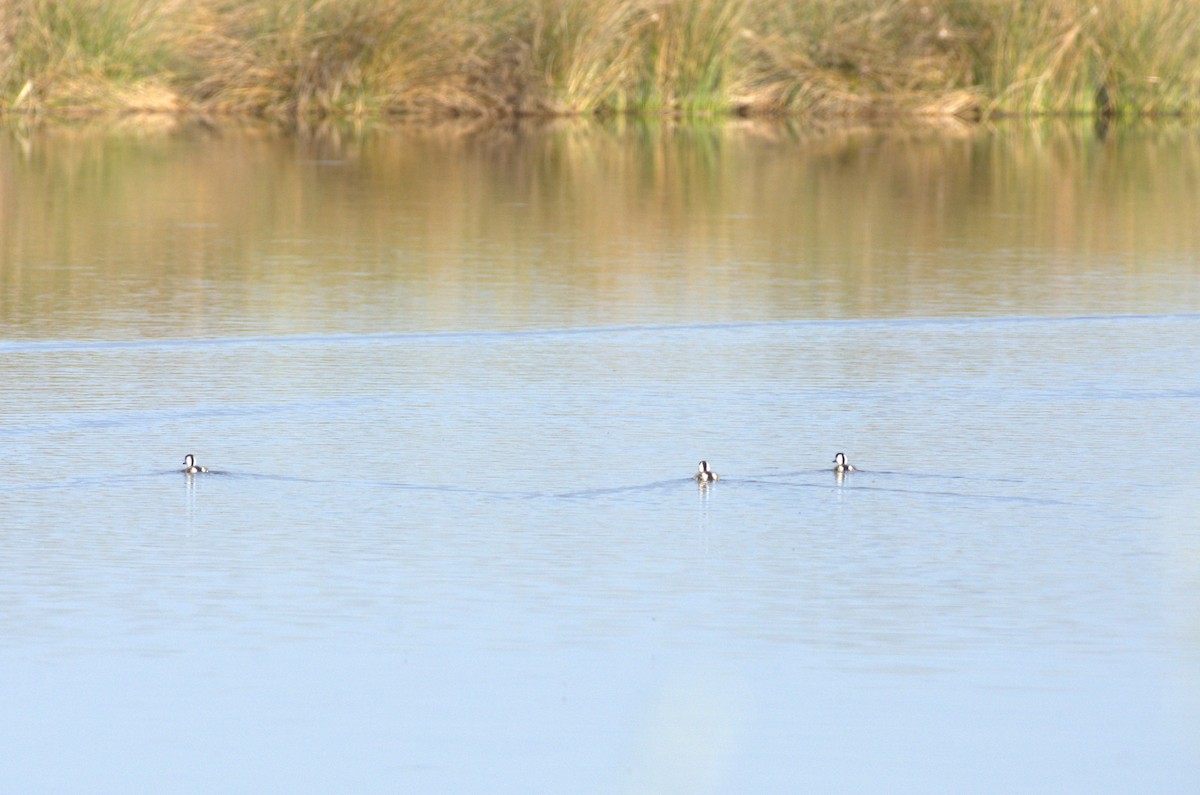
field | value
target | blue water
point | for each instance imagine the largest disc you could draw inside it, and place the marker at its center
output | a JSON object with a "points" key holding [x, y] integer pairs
{"points": [[468, 559]]}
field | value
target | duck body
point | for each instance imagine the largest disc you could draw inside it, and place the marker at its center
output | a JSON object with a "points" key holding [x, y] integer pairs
{"points": [[706, 475], [840, 464], [189, 465]]}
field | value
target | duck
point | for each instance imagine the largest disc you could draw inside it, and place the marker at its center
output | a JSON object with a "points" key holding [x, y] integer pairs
{"points": [[840, 464], [189, 465], [706, 475]]}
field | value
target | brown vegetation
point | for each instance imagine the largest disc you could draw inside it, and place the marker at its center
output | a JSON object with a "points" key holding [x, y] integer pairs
{"points": [[309, 59]]}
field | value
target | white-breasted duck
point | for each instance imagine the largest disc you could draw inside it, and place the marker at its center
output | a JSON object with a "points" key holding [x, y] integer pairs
{"points": [[189, 465]]}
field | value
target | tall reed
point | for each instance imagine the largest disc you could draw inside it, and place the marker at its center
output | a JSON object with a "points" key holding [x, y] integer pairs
{"points": [[306, 59], [1129, 57]]}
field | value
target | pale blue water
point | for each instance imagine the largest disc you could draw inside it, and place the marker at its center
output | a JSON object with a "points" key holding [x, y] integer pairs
{"points": [[467, 555]]}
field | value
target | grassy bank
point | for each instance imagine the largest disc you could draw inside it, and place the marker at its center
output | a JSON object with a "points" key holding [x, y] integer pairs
{"points": [[309, 59]]}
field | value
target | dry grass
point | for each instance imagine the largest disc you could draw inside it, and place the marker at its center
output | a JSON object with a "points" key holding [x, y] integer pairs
{"points": [[70, 56], [316, 59]]}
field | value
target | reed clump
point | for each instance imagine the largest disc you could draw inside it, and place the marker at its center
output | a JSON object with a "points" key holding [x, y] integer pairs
{"points": [[318, 59]]}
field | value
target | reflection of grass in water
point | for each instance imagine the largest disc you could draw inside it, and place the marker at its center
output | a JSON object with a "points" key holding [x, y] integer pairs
{"points": [[491, 58], [1028, 219]]}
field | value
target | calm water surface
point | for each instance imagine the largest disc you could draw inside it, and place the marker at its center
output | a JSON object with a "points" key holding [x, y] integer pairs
{"points": [[454, 385]]}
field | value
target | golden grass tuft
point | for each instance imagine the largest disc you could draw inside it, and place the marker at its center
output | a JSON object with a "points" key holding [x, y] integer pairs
{"points": [[86, 55]]}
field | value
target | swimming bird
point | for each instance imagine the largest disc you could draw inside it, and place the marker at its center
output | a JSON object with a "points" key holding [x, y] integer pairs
{"points": [[189, 465], [706, 475], [840, 464]]}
